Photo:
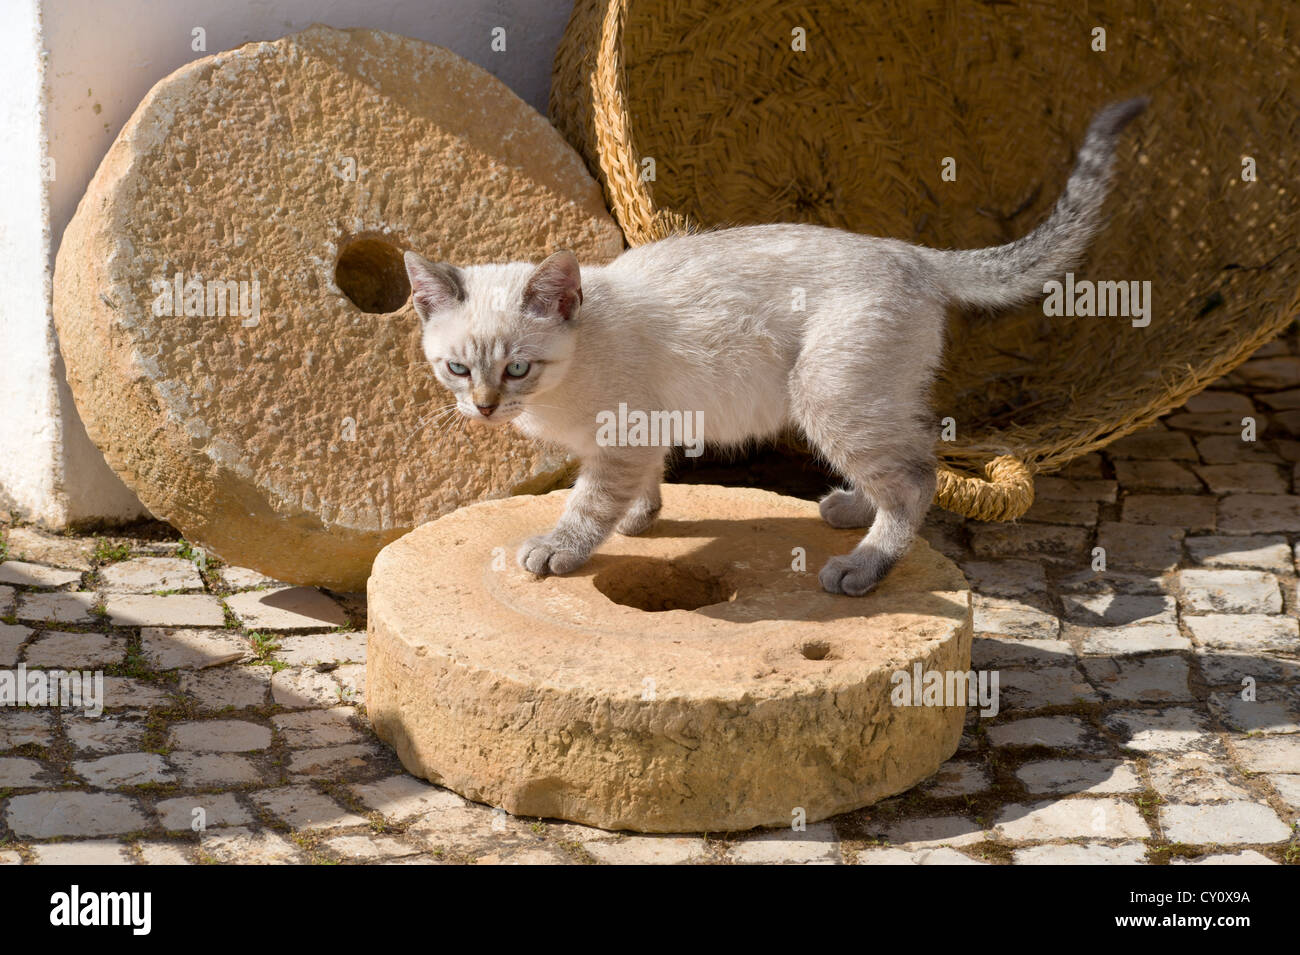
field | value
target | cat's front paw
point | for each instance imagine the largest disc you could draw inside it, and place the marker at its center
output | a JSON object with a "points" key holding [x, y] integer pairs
{"points": [[544, 555], [853, 574]]}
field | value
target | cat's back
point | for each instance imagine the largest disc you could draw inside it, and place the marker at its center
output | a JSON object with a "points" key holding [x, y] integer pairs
{"points": [[774, 252]]}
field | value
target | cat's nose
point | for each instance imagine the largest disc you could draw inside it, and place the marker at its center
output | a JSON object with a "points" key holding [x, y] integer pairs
{"points": [[486, 410]]}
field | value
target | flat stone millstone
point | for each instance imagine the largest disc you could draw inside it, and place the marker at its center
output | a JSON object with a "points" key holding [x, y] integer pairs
{"points": [[562, 698], [302, 444]]}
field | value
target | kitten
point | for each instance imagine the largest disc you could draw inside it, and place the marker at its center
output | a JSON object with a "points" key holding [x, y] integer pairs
{"points": [[708, 323]]}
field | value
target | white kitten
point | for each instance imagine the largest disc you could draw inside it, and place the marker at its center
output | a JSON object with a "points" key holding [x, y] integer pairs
{"points": [[751, 329]]}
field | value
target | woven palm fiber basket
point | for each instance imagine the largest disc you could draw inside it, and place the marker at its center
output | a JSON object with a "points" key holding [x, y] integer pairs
{"points": [[853, 132]]}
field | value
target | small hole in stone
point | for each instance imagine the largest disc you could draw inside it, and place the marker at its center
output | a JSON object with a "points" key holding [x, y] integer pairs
{"points": [[655, 585], [815, 650], [372, 274]]}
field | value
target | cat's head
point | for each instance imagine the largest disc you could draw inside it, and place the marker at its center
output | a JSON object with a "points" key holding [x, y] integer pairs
{"points": [[497, 336]]}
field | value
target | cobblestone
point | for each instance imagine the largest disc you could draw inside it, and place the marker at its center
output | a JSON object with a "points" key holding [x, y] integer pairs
{"points": [[1232, 823], [146, 575], [36, 575], [1268, 552]]}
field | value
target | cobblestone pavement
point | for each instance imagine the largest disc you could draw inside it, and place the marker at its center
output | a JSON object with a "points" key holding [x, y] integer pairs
{"points": [[1150, 713]]}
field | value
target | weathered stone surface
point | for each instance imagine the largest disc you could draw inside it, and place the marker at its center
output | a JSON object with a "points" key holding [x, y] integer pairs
{"points": [[1133, 853], [563, 698], [1043, 542], [1266, 552], [1244, 478], [1064, 489], [287, 608], [1062, 732], [315, 648], [17, 773], [304, 808], [81, 853], [999, 616], [1269, 754], [993, 652], [816, 845], [307, 164], [1006, 578], [1259, 513], [1229, 823], [1132, 547], [1096, 776], [1210, 402], [75, 651], [1187, 511], [1230, 591], [1116, 610], [332, 760], [1043, 686], [47, 814], [318, 727], [1248, 857], [12, 637], [933, 831], [145, 575], [124, 769], [940, 856], [216, 809], [41, 547], [19, 727], [36, 575], [1156, 476], [1154, 446], [241, 846], [1135, 638], [168, 648], [1193, 778], [234, 687], [178, 610], [215, 769], [957, 779], [220, 736], [1174, 730], [1099, 818], [1150, 679], [57, 607], [164, 853], [648, 850], [103, 734]]}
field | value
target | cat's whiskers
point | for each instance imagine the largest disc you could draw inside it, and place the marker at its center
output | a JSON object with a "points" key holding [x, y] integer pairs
{"points": [[437, 414]]}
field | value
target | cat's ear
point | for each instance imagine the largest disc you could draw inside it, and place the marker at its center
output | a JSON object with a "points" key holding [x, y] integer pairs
{"points": [[435, 286], [554, 290]]}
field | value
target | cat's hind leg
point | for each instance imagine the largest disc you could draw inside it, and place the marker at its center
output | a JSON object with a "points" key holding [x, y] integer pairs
{"points": [[901, 491], [884, 450], [847, 507]]}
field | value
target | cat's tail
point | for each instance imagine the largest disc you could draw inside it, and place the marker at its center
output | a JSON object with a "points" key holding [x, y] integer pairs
{"points": [[1004, 275]]}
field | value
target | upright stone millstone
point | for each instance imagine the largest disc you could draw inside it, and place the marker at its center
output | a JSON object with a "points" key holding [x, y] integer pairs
{"points": [[688, 680], [273, 402]]}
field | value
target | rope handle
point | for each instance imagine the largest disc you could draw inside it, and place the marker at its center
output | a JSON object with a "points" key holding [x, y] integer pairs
{"points": [[1004, 493]]}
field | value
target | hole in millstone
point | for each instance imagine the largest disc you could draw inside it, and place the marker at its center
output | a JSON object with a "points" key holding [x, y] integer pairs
{"points": [[372, 274], [815, 650], [653, 584]]}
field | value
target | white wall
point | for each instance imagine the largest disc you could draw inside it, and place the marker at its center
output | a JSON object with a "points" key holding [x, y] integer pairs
{"points": [[72, 72]]}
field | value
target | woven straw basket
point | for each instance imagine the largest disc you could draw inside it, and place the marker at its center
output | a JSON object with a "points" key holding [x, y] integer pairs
{"points": [[853, 131]]}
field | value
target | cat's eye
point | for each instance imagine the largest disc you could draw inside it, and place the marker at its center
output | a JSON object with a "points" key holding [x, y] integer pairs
{"points": [[456, 368], [517, 369]]}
